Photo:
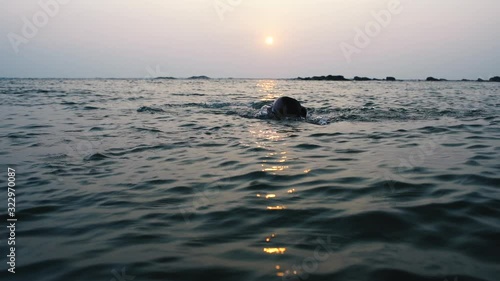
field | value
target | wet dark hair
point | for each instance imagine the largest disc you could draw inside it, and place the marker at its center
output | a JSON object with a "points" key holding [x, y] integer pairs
{"points": [[303, 112]]}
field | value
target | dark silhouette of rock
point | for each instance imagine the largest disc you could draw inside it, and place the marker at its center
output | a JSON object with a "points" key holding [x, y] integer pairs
{"points": [[166, 78], [357, 78], [495, 79], [324, 78], [389, 78], [466, 80], [199, 77], [434, 79], [480, 80]]}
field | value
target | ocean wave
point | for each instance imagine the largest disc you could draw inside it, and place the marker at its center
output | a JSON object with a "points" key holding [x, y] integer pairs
{"points": [[400, 181]]}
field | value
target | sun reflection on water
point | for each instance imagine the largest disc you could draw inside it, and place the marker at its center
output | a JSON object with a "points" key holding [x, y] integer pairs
{"points": [[276, 207], [276, 158], [274, 168], [268, 90], [275, 251], [267, 196]]}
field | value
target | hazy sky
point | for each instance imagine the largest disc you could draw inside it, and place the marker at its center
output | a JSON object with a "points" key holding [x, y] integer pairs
{"points": [[227, 38]]}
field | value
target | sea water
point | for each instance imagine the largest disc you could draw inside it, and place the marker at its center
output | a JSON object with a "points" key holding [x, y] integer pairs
{"points": [[188, 180]]}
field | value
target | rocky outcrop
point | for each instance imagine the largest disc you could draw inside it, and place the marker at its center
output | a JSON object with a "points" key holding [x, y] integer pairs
{"points": [[434, 79], [166, 78], [325, 78], [357, 78], [495, 79], [202, 77], [389, 78]]}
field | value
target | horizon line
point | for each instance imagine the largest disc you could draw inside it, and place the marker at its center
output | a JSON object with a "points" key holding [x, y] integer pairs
{"points": [[247, 78]]}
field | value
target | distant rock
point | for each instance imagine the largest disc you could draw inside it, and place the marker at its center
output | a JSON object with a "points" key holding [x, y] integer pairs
{"points": [[202, 77], [325, 78], [466, 80], [480, 80], [357, 78], [434, 79], [342, 78], [166, 78], [495, 79]]}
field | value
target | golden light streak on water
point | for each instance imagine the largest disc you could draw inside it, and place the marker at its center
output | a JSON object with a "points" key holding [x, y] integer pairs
{"points": [[275, 251], [276, 207]]}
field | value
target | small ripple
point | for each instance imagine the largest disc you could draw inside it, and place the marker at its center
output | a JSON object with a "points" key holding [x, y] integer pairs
{"points": [[478, 146], [150, 109], [139, 149], [96, 157], [307, 146], [88, 107], [350, 151], [29, 127]]}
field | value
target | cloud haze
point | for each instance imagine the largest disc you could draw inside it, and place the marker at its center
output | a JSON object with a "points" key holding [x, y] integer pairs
{"points": [[226, 38]]}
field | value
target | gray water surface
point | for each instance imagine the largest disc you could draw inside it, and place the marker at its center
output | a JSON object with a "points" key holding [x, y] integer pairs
{"points": [[185, 180]]}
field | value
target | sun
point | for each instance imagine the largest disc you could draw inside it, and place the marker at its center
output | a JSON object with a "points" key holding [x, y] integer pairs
{"points": [[269, 40]]}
